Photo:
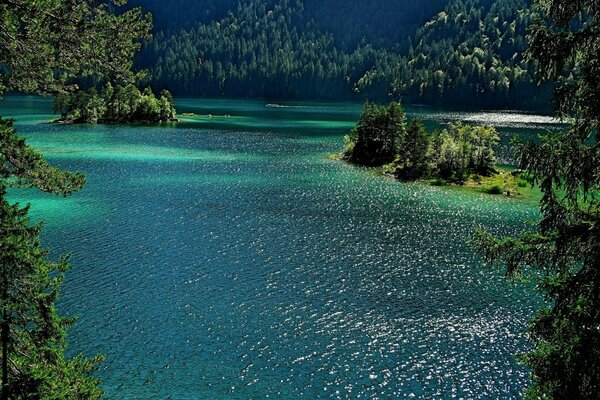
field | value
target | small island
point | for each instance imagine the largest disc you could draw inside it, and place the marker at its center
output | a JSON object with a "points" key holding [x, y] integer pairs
{"points": [[460, 155], [120, 104]]}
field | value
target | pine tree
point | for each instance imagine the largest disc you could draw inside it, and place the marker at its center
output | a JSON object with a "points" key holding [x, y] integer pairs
{"points": [[44, 45], [565, 361], [413, 157], [32, 333]]}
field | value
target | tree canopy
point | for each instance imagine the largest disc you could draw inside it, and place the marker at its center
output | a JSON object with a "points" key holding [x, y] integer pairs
{"points": [[118, 104], [44, 45], [383, 136], [473, 50]]}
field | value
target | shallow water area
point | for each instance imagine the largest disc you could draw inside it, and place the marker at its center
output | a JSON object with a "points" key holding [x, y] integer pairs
{"points": [[226, 257]]}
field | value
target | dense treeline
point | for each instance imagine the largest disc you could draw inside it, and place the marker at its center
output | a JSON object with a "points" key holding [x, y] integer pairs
{"points": [[473, 50], [264, 49], [114, 105], [349, 21], [429, 52], [384, 137]]}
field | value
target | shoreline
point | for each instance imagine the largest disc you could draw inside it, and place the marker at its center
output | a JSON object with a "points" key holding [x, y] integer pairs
{"points": [[502, 184]]}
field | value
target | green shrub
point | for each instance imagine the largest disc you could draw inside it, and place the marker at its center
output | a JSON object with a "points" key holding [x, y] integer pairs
{"points": [[438, 182], [494, 189], [349, 144]]}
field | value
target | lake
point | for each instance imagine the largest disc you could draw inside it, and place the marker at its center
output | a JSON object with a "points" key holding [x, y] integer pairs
{"points": [[227, 257]]}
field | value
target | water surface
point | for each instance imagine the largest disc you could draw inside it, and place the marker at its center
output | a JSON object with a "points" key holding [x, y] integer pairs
{"points": [[226, 257]]}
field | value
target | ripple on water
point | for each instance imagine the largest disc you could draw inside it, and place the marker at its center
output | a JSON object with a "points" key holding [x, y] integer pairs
{"points": [[258, 268]]}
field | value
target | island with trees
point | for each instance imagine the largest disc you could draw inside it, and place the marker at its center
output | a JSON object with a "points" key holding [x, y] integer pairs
{"points": [[118, 104], [460, 154]]}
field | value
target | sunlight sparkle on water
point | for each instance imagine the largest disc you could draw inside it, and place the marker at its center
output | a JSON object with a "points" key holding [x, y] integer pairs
{"points": [[240, 262]]}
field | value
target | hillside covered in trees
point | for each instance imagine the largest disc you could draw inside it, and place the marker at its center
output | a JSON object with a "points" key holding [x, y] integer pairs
{"points": [[426, 51], [474, 48]]}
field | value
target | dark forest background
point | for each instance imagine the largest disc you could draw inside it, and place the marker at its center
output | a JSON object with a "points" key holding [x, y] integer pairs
{"points": [[451, 52]]}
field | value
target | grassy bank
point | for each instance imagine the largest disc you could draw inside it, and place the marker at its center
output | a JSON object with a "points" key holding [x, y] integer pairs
{"points": [[504, 182]]}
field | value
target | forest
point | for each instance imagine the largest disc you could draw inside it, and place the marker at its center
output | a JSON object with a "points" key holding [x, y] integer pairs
{"points": [[426, 52]]}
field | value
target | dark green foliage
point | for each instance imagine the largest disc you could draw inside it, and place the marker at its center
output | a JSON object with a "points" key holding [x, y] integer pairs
{"points": [[565, 362], [113, 105], [383, 23], [379, 134], [349, 21], [382, 137], [45, 44], [22, 166], [473, 51], [33, 335], [410, 163], [265, 49]]}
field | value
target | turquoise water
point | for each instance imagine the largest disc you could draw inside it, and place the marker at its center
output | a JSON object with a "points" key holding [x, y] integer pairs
{"points": [[226, 257]]}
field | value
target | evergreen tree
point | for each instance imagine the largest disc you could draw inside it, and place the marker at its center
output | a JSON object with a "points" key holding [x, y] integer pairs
{"points": [[379, 134], [44, 45], [411, 160], [32, 333], [565, 362]]}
